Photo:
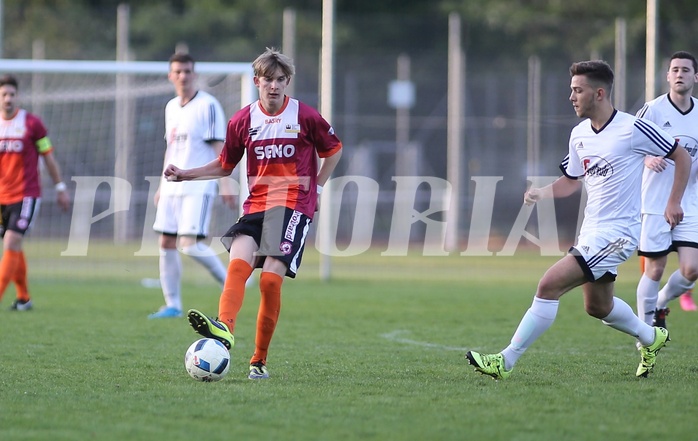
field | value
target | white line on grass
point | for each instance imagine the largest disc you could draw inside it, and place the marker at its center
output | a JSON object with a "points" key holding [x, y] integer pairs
{"points": [[397, 336]]}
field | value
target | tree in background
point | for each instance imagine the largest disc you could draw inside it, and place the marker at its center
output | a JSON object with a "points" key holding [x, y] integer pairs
{"points": [[224, 30]]}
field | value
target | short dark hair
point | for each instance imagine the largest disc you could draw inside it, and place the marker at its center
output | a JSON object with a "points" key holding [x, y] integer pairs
{"points": [[8, 80], [597, 71], [685, 56], [181, 57]]}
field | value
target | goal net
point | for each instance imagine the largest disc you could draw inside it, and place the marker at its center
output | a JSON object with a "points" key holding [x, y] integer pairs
{"points": [[106, 121]]}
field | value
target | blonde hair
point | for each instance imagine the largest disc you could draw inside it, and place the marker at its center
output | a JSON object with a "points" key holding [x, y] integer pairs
{"points": [[271, 60]]}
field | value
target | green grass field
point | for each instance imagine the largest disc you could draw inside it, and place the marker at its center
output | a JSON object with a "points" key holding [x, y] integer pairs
{"points": [[375, 354]]}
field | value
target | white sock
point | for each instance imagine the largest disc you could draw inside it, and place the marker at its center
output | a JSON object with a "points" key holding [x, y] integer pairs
{"points": [[539, 317], [208, 259], [623, 319], [675, 286], [170, 277], [647, 291]]}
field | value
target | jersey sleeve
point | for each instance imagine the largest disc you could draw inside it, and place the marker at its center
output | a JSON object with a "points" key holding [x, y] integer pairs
{"points": [[164, 135], [44, 145], [235, 139], [324, 138], [571, 166], [649, 139], [646, 112], [215, 119], [39, 134]]}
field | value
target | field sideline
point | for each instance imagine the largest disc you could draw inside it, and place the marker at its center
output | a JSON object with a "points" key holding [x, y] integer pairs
{"points": [[375, 354]]}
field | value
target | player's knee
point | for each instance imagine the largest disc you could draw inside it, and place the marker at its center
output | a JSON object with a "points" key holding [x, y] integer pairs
{"points": [[690, 273], [548, 291], [654, 270], [185, 242], [597, 311], [270, 282], [168, 241]]}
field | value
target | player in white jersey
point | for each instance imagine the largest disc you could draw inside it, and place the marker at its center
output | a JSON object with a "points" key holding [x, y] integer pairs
{"points": [[607, 149], [194, 132], [677, 114]]}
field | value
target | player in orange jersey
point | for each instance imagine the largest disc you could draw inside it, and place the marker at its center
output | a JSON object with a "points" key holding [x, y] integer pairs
{"points": [[22, 141], [283, 139]]}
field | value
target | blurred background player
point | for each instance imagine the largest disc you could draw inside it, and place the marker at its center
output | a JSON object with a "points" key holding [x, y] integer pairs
{"points": [[686, 299], [607, 149], [194, 132], [283, 138], [676, 113], [23, 139]]}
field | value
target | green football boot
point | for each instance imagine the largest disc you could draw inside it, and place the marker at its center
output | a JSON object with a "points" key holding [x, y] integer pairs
{"points": [[211, 328], [489, 364], [648, 354]]}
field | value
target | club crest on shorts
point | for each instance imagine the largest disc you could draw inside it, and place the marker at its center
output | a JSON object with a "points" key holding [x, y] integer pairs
{"points": [[285, 247], [23, 223]]}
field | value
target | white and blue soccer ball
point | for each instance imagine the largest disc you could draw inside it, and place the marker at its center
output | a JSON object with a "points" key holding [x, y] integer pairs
{"points": [[207, 360]]}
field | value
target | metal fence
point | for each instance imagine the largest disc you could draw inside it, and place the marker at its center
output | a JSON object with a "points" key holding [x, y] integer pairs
{"points": [[496, 126]]}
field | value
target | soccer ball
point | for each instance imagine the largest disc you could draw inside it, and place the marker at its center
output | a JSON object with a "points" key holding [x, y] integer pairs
{"points": [[207, 360]]}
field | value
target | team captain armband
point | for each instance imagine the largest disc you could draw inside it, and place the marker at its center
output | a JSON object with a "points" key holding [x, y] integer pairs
{"points": [[44, 145]]}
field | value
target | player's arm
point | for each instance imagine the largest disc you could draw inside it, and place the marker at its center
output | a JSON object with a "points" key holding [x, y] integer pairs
{"points": [[54, 171], [225, 185], [212, 170], [682, 162], [328, 165], [655, 163], [560, 188]]}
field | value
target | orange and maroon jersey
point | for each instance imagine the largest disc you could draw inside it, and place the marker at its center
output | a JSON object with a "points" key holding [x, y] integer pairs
{"points": [[282, 154], [22, 139]]}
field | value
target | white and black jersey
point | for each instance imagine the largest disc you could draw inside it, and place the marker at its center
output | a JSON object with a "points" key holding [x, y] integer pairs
{"points": [[189, 131], [682, 126], [611, 161]]}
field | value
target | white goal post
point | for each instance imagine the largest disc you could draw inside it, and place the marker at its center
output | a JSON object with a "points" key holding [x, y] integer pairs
{"points": [[106, 118], [116, 67]]}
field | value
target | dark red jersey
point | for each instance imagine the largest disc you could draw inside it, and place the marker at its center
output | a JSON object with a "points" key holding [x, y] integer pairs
{"points": [[282, 154], [22, 140]]}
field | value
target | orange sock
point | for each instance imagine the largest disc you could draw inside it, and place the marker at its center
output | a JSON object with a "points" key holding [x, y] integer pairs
{"points": [[233, 292], [8, 267], [268, 316], [20, 279]]}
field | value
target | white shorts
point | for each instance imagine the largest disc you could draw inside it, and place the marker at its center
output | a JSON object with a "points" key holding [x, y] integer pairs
{"points": [[599, 254], [186, 215], [658, 239]]}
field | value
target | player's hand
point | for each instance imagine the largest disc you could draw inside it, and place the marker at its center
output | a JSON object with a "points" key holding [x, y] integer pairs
{"points": [[172, 173], [655, 163], [673, 214], [63, 200], [532, 196]]}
